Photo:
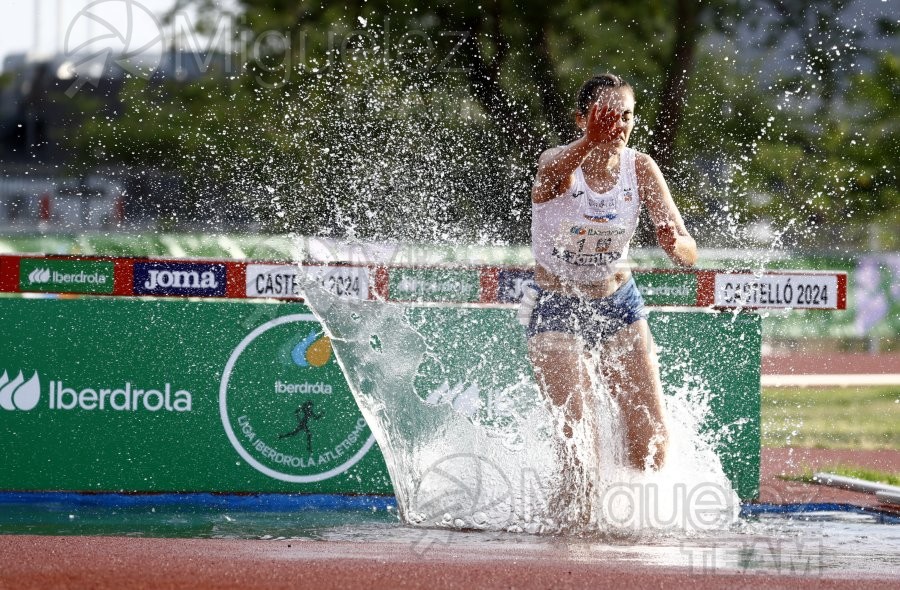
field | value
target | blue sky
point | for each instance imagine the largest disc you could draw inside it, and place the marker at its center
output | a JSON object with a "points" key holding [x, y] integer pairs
{"points": [[59, 17]]}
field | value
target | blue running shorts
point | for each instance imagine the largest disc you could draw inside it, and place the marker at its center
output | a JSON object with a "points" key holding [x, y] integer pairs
{"points": [[594, 320]]}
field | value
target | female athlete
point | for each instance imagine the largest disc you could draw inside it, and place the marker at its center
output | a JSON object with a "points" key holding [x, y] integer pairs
{"points": [[587, 309]]}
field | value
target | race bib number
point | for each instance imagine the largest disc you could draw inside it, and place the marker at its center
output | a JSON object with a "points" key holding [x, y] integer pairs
{"points": [[588, 246]]}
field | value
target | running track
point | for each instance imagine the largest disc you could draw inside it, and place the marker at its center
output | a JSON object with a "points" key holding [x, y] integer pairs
{"points": [[121, 562]]}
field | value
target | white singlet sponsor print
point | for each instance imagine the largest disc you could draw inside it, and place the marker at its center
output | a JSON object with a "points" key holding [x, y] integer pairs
{"points": [[284, 280], [602, 208], [776, 290]]}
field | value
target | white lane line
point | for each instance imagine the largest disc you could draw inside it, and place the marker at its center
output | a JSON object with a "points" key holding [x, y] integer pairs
{"points": [[840, 380]]}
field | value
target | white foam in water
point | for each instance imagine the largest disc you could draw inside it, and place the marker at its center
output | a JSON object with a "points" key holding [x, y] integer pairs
{"points": [[492, 463]]}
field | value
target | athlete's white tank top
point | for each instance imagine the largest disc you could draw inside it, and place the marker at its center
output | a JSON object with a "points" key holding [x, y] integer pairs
{"points": [[581, 236]]}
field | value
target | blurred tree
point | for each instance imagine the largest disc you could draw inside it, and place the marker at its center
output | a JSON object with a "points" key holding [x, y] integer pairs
{"points": [[820, 181], [512, 52], [828, 47], [513, 60], [360, 117]]}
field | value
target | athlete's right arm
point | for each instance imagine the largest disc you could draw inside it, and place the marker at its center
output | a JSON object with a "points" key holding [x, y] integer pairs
{"points": [[556, 166], [556, 171]]}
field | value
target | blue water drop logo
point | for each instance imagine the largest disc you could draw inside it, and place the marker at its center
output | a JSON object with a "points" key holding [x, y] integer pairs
{"points": [[298, 355]]}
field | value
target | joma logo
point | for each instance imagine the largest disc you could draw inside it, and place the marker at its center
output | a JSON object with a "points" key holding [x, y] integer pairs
{"points": [[181, 279]]}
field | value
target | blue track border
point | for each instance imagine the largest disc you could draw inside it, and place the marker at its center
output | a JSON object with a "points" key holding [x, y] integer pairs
{"points": [[340, 502], [252, 502], [803, 509]]}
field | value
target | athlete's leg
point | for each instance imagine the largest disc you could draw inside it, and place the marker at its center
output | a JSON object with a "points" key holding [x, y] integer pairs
{"points": [[561, 373], [631, 371], [291, 433], [560, 369]]}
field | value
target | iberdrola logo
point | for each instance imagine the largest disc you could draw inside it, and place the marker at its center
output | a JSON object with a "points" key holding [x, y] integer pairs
{"points": [[312, 350], [39, 276], [19, 394]]}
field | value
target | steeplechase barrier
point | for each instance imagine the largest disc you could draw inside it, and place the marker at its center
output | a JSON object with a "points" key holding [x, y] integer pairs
{"points": [[175, 375]]}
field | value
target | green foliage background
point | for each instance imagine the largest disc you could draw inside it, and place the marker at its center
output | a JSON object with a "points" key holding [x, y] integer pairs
{"points": [[422, 121]]}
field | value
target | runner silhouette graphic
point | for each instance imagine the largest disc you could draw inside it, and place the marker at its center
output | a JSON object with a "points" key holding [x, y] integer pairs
{"points": [[304, 413]]}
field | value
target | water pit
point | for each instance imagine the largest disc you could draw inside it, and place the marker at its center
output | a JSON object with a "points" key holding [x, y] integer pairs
{"points": [[797, 539]]}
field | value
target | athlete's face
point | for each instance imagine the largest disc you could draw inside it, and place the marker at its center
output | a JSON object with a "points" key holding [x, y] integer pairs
{"points": [[621, 102]]}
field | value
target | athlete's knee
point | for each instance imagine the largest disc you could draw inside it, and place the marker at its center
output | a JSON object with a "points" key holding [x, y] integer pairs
{"points": [[659, 447]]}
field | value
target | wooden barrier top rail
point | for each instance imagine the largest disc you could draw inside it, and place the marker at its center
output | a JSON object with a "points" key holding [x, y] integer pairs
{"points": [[240, 279]]}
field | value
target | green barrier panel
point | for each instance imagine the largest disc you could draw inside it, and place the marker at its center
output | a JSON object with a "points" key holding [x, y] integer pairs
{"points": [[228, 396], [471, 363], [136, 395], [721, 353]]}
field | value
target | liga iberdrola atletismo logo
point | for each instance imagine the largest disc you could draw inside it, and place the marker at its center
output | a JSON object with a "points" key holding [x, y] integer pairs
{"points": [[286, 407]]}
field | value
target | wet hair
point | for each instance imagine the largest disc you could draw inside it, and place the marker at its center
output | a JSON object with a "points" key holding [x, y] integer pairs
{"points": [[592, 88]]}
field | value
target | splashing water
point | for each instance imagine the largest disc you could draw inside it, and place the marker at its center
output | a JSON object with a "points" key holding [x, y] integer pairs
{"points": [[449, 395], [367, 148]]}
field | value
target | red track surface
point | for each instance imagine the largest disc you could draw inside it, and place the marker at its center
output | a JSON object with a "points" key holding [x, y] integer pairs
{"points": [[120, 562]]}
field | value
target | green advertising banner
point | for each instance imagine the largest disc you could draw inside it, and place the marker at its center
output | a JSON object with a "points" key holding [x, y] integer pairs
{"points": [[70, 276], [452, 285], [130, 395], [232, 396], [664, 288]]}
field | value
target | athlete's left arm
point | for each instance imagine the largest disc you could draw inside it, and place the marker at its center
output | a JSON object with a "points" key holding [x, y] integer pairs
{"points": [[671, 233]]}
